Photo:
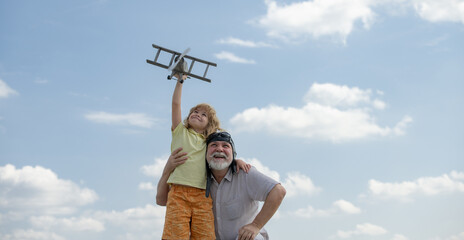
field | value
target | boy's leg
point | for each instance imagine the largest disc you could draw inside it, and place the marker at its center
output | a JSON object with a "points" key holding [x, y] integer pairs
{"points": [[202, 216], [178, 215]]}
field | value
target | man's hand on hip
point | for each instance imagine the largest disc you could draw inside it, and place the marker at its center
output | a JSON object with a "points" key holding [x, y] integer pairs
{"points": [[248, 232]]}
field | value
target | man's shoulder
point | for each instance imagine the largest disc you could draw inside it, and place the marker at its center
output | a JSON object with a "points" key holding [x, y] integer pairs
{"points": [[256, 184]]}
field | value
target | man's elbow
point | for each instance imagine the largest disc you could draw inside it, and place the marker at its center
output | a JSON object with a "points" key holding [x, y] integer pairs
{"points": [[161, 201], [280, 191]]}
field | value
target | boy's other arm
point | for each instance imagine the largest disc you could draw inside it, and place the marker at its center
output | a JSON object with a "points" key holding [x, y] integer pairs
{"points": [[242, 165]]}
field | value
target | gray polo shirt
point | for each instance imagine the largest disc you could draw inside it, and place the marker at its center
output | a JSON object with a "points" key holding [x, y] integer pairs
{"points": [[236, 201]]}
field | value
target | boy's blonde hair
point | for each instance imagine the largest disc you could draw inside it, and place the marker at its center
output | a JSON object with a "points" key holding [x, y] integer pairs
{"points": [[213, 122]]}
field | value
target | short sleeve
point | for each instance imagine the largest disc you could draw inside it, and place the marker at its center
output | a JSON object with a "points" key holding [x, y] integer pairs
{"points": [[258, 184]]}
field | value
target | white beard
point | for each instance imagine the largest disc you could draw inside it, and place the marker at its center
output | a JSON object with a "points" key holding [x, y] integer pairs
{"points": [[218, 165]]}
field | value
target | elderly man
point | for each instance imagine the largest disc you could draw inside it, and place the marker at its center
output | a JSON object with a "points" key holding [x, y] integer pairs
{"points": [[236, 195]]}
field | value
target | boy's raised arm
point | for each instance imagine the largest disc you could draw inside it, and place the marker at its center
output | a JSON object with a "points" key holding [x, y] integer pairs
{"points": [[176, 105]]}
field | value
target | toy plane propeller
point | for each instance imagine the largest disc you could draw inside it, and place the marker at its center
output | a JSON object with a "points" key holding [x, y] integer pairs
{"points": [[178, 65], [178, 60]]}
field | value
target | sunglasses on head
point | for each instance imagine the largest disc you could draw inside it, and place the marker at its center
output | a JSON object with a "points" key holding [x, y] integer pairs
{"points": [[222, 134], [219, 136]]}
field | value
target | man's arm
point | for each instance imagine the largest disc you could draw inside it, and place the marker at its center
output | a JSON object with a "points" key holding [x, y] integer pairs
{"points": [[270, 206], [175, 159]]}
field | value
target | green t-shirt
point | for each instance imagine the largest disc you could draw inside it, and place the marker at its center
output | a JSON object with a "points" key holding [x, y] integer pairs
{"points": [[193, 171]]}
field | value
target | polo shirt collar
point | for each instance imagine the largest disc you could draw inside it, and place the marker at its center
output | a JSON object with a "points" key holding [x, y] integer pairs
{"points": [[228, 176]]}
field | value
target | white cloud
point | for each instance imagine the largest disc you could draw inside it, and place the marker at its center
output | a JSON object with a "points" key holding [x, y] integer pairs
{"points": [[440, 11], [459, 236], [315, 18], [346, 207], [310, 212], [338, 207], [147, 186], [338, 18], [142, 223], [264, 169], [132, 119], [362, 229], [424, 185], [139, 236], [333, 95], [429, 10], [233, 58], [244, 43], [39, 189], [67, 224], [299, 184], [155, 169], [32, 196], [5, 90], [457, 175], [141, 218], [331, 112], [30, 234], [399, 237]]}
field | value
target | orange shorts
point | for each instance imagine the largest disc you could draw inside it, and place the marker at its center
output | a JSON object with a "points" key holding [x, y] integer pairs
{"points": [[189, 214]]}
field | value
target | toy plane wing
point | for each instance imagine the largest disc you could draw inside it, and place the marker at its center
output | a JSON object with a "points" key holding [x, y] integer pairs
{"points": [[178, 66]]}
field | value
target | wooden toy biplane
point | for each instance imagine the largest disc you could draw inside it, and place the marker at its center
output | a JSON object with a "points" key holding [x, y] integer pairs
{"points": [[178, 66]]}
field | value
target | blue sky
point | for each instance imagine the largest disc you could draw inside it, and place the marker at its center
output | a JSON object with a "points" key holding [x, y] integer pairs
{"points": [[354, 106]]}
